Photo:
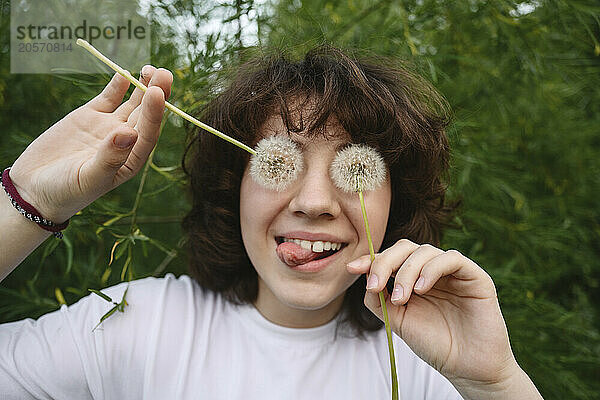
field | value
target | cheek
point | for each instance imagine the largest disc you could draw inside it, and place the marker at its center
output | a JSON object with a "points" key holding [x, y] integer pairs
{"points": [[250, 213], [258, 206], [384, 203], [247, 217], [378, 208]]}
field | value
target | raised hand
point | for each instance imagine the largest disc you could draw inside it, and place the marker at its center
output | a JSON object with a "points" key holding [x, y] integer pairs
{"points": [[445, 308], [93, 149]]}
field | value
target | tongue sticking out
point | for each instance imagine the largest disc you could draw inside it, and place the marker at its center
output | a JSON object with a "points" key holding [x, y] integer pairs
{"points": [[292, 254]]}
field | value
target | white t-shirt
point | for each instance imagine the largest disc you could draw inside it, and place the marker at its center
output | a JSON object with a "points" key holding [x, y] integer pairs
{"points": [[176, 340]]}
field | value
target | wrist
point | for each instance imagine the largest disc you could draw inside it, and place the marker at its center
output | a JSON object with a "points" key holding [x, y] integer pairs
{"points": [[26, 194], [26, 209], [515, 386], [20, 236]]}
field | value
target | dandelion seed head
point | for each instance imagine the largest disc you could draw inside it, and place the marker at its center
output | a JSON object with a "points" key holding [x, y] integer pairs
{"points": [[358, 166], [277, 162]]}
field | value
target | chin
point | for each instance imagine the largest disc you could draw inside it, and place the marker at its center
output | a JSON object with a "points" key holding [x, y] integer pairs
{"points": [[306, 303], [308, 296]]}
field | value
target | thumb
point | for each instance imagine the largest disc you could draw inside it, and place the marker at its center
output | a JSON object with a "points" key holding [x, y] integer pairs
{"points": [[112, 154], [360, 265]]}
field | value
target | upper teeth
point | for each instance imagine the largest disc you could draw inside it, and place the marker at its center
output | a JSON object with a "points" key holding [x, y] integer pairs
{"points": [[316, 246]]}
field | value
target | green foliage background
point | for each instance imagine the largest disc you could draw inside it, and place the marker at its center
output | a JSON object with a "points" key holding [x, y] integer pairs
{"points": [[523, 79]]}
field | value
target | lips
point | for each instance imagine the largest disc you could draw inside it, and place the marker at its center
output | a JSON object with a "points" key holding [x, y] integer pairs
{"points": [[296, 257], [292, 254], [324, 237]]}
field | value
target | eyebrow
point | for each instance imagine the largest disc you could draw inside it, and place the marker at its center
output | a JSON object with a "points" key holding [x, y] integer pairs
{"points": [[339, 147]]}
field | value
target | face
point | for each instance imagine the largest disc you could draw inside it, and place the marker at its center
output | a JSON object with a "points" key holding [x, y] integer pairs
{"points": [[312, 204]]}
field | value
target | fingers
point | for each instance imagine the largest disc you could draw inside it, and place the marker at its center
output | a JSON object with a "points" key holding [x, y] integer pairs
{"points": [[111, 156], [147, 127], [135, 99], [407, 277], [373, 303], [452, 262], [163, 78], [361, 265], [124, 151], [405, 259], [112, 95], [389, 261], [157, 77]]}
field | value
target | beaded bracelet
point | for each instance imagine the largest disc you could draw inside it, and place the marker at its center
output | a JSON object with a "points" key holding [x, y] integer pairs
{"points": [[27, 209]]}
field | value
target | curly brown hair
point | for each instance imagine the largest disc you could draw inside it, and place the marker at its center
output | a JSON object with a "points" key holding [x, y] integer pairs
{"points": [[377, 101]]}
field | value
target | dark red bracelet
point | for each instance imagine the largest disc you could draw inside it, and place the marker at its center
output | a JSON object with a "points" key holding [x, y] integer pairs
{"points": [[27, 209]]}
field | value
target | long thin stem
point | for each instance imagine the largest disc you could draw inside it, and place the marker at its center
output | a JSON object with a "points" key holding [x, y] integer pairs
{"points": [[170, 106], [388, 329], [138, 195]]}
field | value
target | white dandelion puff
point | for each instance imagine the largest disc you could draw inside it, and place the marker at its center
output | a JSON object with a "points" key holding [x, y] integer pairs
{"points": [[354, 169], [277, 162], [358, 167]]}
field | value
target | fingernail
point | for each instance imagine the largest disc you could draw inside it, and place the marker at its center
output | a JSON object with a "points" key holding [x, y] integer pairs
{"points": [[372, 282], [152, 79], [146, 69], [355, 264], [398, 292], [420, 283], [123, 141]]}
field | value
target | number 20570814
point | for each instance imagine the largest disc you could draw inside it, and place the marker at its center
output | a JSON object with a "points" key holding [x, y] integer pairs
{"points": [[45, 47]]}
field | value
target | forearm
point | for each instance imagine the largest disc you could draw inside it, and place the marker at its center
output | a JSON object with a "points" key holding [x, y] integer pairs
{"points": [[20, 236], [519, 387]]}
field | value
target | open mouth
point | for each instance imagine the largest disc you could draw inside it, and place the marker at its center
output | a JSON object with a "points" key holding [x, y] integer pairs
{"points": [[321, 255]]}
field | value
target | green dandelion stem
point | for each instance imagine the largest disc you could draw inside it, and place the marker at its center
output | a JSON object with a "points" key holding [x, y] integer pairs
{"points": [[388, 329], [170, 106], [364, 214]]}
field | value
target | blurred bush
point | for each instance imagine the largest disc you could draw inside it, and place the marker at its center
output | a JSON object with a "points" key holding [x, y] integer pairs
{"points": [[523, 79]]}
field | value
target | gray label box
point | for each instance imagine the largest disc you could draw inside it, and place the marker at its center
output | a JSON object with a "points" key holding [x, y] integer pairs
{"points": [[43, 35]]}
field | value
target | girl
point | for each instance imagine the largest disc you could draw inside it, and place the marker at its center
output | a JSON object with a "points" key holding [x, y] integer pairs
{"points": [[263, 317]]}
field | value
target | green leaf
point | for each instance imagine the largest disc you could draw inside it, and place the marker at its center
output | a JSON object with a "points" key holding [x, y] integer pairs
{"points": [[108, 314], [69, 247], [432, 71], [110, 222], [99, 293], [161, 246], [126, 265], [139, 236], [125, 294], [49, 249], [75, 291], [105, 276], [121, 249], [59, 296]]}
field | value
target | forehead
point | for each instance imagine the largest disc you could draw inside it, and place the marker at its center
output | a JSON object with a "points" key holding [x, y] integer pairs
{"points": [[329, 135]]}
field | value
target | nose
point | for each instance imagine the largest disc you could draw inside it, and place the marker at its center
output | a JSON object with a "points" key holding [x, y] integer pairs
{"points": [[315, 195]]}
